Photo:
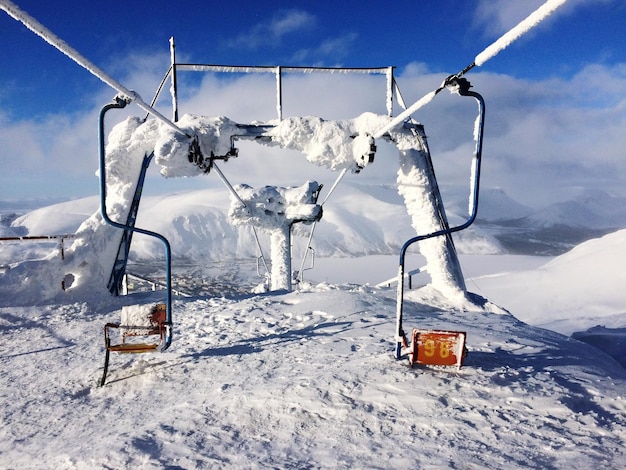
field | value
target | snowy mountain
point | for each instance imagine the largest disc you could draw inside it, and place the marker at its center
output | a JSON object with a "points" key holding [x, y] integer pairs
{"points": [[358, 220], [59, 218], [558, 227], [591, 209], [494, 205]]}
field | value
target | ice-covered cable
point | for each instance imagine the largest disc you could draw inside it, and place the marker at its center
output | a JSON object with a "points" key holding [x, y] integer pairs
{"points": [[501, 43], [40, 30], [308, 245], [523, 27], [241, 201], [424, 100]]}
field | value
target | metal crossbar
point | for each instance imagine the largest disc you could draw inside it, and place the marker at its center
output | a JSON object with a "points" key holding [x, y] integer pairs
{"points": [[278, 70]]}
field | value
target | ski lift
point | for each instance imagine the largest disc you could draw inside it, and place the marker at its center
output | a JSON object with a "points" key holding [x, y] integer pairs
{"points": [[440, 347]]}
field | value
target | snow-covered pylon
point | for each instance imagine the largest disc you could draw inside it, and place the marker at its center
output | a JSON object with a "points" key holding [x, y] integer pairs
{"points": [[274, 210]]}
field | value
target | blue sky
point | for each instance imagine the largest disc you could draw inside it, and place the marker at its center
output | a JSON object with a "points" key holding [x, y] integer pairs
{"points": [[556, 97]]}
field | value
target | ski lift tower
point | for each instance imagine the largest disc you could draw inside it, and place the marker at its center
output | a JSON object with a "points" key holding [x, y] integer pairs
{"points": [[416, 175]]}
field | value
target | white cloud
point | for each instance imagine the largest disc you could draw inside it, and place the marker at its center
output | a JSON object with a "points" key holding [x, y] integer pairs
{"points": [[289, 22], [53, 157], [331, 50], [495, 17], [542, 137], [272, 31]]}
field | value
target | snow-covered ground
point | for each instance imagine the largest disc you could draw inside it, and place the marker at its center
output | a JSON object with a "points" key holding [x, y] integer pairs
{"points": [[307, 379]]}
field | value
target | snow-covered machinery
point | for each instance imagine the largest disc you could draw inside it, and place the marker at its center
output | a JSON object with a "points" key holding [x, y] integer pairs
{"points": [[274, 210]]}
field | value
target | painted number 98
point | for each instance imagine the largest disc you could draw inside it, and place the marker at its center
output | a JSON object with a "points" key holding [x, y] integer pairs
{"points": [[442, 348]]}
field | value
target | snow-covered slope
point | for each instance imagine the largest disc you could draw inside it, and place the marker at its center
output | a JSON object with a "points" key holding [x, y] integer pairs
{"points": [[58, 219], [573, 292], [303, 380], [494, 204]]}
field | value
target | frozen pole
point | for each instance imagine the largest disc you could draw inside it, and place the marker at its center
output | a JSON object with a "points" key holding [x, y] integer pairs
{"points": [[491, 51], [48, 36]]}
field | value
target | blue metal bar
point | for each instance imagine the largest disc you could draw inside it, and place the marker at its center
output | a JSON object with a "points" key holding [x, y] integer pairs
{"points": [[119, 103], [119, 267], [400, 335]]}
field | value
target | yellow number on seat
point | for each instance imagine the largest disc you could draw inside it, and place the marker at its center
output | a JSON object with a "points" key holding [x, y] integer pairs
{"points": [[429, 347], [444, 349]]}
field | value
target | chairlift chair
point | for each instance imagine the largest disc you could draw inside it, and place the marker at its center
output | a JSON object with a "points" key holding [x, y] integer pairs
{"points": [[440, 347], [142, 329], [144, 321]]}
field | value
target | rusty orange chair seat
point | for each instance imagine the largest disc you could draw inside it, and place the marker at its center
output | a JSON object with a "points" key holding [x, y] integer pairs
{"points": [[436, 347], [142, 329]]}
